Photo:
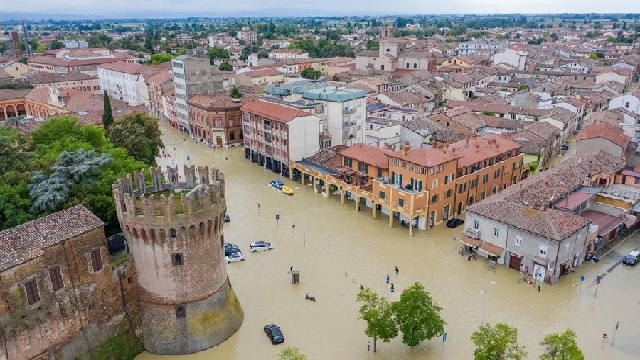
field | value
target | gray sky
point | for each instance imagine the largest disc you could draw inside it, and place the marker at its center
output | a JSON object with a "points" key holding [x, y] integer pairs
{"points": [[330, 6]]}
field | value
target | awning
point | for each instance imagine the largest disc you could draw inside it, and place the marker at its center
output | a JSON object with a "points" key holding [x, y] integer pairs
{"points": [[470, 242], [491, 249]]}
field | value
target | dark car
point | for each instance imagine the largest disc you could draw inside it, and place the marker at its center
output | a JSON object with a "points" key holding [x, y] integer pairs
{"points": [[631, 258], [274, 333], [227, 218], [453, 223], [230, 249], [565, 147], [277, 184]]}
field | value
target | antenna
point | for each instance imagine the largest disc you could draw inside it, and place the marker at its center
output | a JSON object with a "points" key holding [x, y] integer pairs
{"points": [[27, 45]]}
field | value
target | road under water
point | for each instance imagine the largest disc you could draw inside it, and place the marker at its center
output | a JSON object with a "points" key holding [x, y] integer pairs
{"points": [[336, 249]]}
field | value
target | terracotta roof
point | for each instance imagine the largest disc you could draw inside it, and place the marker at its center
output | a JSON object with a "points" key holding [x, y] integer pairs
{"points": [[368, 154], [424, 156], [47, 60], [29, 240], [273, 111], [161, 77], [129, 68], [605, 131], [48, 78], [542, 129], [481, 148], [10, 94], [89, 107], [40, 95], [209, 102], [262, 72], [530, 143]]}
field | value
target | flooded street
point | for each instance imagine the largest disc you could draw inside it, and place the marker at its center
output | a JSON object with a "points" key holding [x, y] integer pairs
{"points": [[337, 248]]}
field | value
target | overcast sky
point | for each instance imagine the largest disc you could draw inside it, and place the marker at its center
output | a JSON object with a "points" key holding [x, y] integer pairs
{"points": [[332, 6]]}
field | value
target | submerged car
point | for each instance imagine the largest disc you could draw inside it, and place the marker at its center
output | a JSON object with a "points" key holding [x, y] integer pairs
{"points": [[453, 223], [230, 249], [274, 333], [234, 257], [287, 190], [631, 258], [260, 246], [227, 218], [277, 184]]}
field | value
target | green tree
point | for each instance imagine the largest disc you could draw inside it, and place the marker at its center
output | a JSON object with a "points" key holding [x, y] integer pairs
{"points": [[235, 93], [56, 44], [160, 58], [497, 342], [554, 36], [523, 87], [378, 314], [225, 66], [311, 73], [217, 53], [372, 45], [107, 116], [290, 353], [417, 315], [561, 346], [139, 134], [262, 54]]}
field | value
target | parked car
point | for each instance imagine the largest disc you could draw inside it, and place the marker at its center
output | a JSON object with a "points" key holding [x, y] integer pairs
{"points": [[565, 147], [260, 246], [274, 333], [453, 223], [230, 249], [631, 258], [287, 190], [234, 257], [227, 218], [277, 184]]}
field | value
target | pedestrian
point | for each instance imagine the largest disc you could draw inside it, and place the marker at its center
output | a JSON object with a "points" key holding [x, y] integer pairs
{"points": [[393, 288], [397, 271], [369, 346], [291, 268], [387, 278]]}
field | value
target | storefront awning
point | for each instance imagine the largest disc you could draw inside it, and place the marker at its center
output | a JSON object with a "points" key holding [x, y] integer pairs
{"points": [[470, 242], [491, 249]]}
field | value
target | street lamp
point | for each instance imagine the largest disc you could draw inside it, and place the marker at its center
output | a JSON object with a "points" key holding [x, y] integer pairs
{"points": [[483, 293]]}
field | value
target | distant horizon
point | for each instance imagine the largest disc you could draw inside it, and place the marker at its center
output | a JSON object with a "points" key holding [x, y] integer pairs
{"points": [[306, 8]]}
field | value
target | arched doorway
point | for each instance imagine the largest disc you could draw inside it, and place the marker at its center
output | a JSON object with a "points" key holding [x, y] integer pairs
{"points": [[2, 114], [21, 110], [10, 111]]}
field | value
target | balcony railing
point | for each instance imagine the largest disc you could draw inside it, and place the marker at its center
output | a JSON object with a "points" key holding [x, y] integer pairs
{"points": [[472, 233]]}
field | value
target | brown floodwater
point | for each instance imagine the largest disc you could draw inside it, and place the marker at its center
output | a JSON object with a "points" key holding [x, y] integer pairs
{"points": [[337, 248]]}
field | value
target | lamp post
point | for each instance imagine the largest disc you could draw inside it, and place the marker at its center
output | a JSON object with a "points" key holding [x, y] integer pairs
{"points": [[483, 293]]}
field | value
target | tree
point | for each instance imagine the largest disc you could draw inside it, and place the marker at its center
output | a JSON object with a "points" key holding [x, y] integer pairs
{"points": [[378, 314], [311, 73], [290, 353], [235, 93], [225, 66], [160, 58], [372, 45], [417, 315], [554, 36], [561, 346], [107, 116], [497, 342], [217, 53], [262, 54], [56, 44], [523, 87], [139, 134]]}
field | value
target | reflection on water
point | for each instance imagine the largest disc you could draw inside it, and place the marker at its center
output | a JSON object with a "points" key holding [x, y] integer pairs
{"points": [[337, 248]]}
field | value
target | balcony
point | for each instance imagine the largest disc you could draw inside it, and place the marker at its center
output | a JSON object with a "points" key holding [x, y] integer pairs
{"points": [[472, 233]]}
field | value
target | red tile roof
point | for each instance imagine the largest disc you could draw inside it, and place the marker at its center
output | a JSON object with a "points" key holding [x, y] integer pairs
{"points": [[209, 102], [424, 156], [605, 131], [29, 240], [47, 60], [273, 111], [481, 148], [368, 154], [129, 68]]}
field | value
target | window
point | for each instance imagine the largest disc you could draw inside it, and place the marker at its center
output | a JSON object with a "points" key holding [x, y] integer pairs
{"points": [[483, 194], [177, 259], [172, 232], [382, 195], [496, 232], [416, 185], [494, 189], [181, 311], [448, 178], [364, 167], [448, 193], [56, 278], [31, 290], [401, 202], [542, 251], [348, 162], [379, 172], [462, 188], [434, 183], [96, 260], [626, 105], [473, 183], [476, 224], [434, 199], [518, 241], [496, 174]]}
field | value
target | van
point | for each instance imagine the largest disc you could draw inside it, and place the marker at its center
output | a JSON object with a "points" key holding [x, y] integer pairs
{"points": [[631, 258]]}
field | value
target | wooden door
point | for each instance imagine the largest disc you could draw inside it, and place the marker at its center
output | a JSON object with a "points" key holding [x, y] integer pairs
{"points": [[515, 261]]}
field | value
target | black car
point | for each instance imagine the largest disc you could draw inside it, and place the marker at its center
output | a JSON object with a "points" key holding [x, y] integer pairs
{"points": [[227, 218], [274, 333], [230, 249], [453, 223], [565, 147]]}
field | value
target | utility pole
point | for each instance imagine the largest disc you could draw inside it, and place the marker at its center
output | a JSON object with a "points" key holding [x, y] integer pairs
{"points": [[27, 45]]}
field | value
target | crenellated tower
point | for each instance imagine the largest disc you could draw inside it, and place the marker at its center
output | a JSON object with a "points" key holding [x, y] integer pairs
{"points": [[174, 232]]}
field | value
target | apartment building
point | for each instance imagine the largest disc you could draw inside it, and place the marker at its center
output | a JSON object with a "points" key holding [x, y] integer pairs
{"points": [[276, 134], [250, 37], [216, 120], [192, 76], [127, 82]]}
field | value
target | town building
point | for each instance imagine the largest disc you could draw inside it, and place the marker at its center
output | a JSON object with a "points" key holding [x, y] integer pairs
{"points": [[288, 54], [250, 37], [275, 134], [192, 76], [468, 48], [59, 286], [66, 81], [602, 136], [127, 82], [216, 120]]}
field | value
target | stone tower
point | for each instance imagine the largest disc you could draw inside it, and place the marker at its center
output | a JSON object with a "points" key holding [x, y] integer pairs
{"points": [[174, 232]]}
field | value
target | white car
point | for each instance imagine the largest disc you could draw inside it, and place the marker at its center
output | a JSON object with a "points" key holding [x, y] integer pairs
{"points": [[260, 246], [234, 257]]}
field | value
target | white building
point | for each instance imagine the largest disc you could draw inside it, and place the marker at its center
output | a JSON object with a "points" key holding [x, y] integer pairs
{"points": [[75, 44], [629, 102], [473, 47], [515, 58], [288, 54], [343, 113], [126, 81]]}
